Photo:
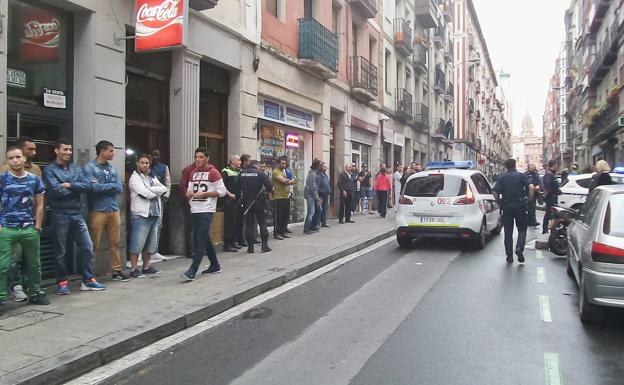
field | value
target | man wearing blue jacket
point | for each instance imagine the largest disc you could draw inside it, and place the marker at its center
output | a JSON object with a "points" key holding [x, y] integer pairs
{"points": [[65, 182], [103, 206]]}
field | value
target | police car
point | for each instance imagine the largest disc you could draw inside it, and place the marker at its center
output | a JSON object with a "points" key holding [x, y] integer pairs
{"points": [[449, 200]]}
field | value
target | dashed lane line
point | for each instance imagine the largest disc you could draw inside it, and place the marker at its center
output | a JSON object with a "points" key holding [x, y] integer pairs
{"points": [[541, 275], [544, 308], [539, 254], [551, 363]]}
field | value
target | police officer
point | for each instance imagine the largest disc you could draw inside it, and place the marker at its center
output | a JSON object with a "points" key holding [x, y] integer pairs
{"points": [[231, 204], [534, 179], [515, 190], [255, 185]]}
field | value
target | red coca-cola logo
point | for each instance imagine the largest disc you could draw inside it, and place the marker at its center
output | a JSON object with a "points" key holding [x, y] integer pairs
{"points": [[159, 24], [41, 36]]}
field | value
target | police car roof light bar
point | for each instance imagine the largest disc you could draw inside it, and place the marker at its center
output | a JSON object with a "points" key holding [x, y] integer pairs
{"points": [[462, 165]]}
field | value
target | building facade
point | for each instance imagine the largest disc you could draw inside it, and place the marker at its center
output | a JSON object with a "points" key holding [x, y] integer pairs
{"points": [[551, 126], [482, 130], [593, 82], [527, 147]]}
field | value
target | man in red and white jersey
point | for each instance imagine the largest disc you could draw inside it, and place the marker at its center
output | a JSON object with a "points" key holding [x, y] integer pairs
{"points": [[205, 185]]}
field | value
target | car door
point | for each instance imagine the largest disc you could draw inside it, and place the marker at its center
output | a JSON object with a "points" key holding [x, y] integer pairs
{"points": [[579, 231], [488, 203]]}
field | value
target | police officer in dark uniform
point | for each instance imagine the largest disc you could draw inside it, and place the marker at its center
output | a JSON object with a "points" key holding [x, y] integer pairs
{"points": [[255, 185], [231, 204], [516, 191], [533, 176]]}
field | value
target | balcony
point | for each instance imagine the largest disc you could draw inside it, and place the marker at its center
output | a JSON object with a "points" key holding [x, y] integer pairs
{"points": [[363, 79], [604, 59], [448, 53], [426, 12], [448, 96], [403, 108], [420, 57], [447, 12], [439, 38], [439, 85], [403, 37], [597, 13], [368, 8], [421, 116], [318, 48]]}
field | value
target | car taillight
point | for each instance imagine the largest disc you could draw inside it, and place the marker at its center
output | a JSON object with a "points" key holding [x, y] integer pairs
{"points": [[607, 254], [469, 199], [405, 201]]}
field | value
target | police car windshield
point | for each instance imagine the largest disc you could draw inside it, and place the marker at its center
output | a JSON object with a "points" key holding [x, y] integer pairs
{"points": [[435, 185]]}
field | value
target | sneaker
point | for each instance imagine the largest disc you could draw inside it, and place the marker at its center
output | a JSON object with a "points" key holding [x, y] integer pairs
{"points": [[509, 259], [136, 273], [187, 277], [17, 294], [92, 285], [213, 269], [158, 257], [520, 255], [39, 299], [62, 288], [150, 270], [121, 277]]}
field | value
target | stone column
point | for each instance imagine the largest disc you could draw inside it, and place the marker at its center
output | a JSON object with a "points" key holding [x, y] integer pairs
{"points": [[184, 136]]}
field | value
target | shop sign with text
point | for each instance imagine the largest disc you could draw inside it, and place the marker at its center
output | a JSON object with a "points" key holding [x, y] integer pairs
{"points": [[16, 78], [292, 140], [54, 98], [161, 24], [41, 38], [282, 113]]}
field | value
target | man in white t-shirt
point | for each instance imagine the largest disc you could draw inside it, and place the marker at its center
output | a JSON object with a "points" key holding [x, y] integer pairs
{"points": [[204, 187]]}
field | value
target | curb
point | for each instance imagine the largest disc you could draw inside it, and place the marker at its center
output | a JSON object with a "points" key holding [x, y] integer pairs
{"points": [[80, 360]]}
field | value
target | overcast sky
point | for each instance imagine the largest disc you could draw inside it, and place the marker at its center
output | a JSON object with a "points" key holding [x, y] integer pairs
{"points": [[524, 37]]}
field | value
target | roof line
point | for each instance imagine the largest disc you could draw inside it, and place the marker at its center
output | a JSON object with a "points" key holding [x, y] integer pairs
{"points": [[475, 18]]}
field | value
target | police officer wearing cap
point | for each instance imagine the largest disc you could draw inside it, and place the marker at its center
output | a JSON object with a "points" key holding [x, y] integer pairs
{"points": [[255, 185], [516, 191]]}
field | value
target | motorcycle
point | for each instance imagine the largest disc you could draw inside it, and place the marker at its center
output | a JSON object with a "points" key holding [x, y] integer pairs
{"points": [[558, 239]]}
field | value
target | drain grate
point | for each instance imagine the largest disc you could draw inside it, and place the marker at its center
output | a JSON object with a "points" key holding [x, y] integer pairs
{"points": [[28, 318]]}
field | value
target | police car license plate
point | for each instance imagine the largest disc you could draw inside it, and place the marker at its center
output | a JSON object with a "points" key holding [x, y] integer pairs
{"points": [[432, 220]]}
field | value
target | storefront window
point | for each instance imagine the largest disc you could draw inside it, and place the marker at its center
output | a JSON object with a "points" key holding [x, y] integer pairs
{"points": [[38, 47], [276, 141]]}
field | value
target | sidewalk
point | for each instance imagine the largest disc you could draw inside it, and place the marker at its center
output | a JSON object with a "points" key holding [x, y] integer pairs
{"points": [[77, 333]]}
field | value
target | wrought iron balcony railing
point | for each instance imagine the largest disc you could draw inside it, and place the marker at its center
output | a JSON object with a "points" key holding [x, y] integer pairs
{"points": [[421, 54], [363, 75], [368, 8], [403, 107], [403, 36], [318, 43], [421, 115]]}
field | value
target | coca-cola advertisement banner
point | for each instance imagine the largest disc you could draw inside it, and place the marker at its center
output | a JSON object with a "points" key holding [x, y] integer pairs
{"points": [[160, 24], [41, 39]]}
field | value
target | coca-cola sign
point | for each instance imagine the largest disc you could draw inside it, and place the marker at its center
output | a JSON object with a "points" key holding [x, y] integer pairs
{"points": [[160, 24], [41, 37]]}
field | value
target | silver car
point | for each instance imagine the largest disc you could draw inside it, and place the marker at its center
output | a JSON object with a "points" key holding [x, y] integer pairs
{"points": [[596, 251]]}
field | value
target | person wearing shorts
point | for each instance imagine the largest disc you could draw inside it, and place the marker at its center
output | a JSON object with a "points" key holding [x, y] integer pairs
{"points": [[145, 209]]}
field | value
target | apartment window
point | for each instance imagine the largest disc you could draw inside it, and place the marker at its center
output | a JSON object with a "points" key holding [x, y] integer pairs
{"points": [[399, 76], [308, 9], [354, 39], [271, 7], [372, 44], [387, 71], [335, 18]]}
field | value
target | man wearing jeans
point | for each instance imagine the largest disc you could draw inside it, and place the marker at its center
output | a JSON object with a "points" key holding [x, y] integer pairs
{"points": [[146, 210], [281, 198], [324, 189], [65, 182], [312, 198], [21, 217], [161, 171], [205, 186], [103, 206]]}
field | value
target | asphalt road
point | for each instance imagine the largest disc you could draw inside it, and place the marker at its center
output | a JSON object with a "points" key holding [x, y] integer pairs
{"points": [[436, 314]]}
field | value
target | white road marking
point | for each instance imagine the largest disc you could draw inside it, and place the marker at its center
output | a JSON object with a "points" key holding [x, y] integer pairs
{"points": [[541, 275], [111, 369], [544, 307], [551, 364]]}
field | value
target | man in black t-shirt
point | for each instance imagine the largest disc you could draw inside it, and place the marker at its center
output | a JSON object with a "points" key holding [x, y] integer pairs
{"points": [[366, 190]]}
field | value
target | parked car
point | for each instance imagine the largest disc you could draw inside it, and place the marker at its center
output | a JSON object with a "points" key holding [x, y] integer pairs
{"points": [[574, 191], [596, 251], [447, 201]]}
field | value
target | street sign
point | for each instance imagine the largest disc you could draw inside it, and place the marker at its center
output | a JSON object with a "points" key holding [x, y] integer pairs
{"points": [[621, 121], [161, 24]]}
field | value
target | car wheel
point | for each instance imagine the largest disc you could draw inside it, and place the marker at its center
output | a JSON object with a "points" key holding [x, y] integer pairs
{"points": [[558, 240], [588, 312], [481, 240], [404, 242]]}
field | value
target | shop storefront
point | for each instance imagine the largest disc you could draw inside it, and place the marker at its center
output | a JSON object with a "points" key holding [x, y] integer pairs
{"points": [[39, 86], [399, 144], [284, 130], [362, 139]]}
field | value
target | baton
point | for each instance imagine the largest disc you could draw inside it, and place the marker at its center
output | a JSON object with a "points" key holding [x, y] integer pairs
{"points": [[263, 189]]}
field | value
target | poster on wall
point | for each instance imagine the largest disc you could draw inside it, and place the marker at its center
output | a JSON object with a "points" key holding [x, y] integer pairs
{"points": [[160, 24], [282, 113], [41, 38]]}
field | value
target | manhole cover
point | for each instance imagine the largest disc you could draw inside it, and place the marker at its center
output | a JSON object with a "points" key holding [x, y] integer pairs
{"points": [[25, 319]]}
